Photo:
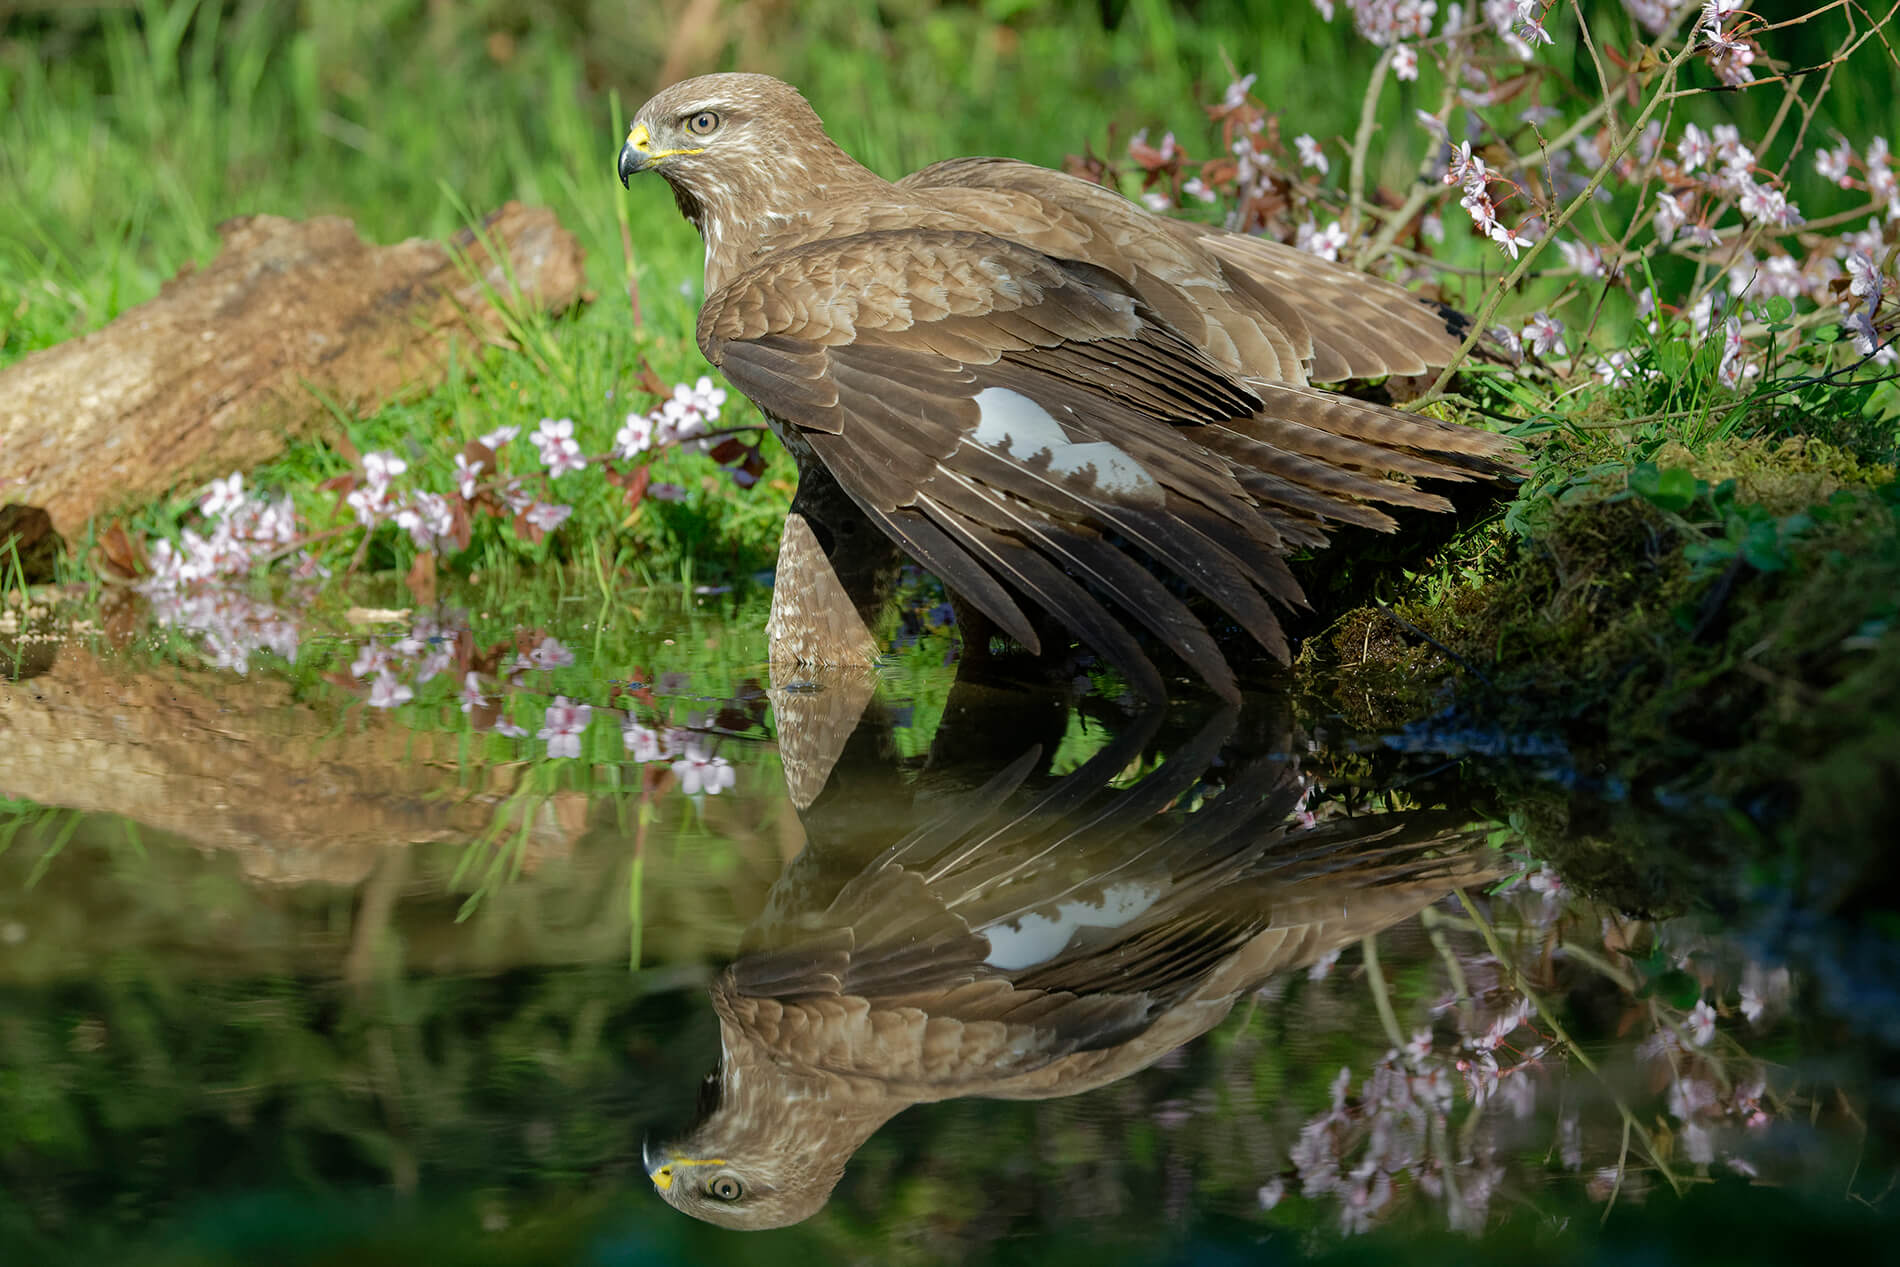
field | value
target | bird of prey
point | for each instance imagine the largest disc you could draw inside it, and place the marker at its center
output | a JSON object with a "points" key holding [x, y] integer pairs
{"points": [[1025, 939], [1078, 415]]}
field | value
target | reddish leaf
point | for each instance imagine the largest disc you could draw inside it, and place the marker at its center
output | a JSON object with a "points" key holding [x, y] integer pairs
{"points": [[123, 556], [637, 486]]}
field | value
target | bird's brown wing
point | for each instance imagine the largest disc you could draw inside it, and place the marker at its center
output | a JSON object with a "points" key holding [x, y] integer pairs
{"points": [[1015, 420], [1338, 322]]}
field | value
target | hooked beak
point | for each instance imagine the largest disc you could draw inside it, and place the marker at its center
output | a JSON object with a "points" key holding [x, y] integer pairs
{"points": [[634, 155], [657, 1167]]}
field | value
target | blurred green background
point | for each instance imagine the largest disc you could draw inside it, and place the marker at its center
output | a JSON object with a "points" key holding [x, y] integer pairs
{"points": [[129, 130]]}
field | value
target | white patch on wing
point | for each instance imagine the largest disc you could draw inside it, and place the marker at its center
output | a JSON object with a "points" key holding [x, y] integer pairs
{"points": [[1010, 421], [1037, 938]]}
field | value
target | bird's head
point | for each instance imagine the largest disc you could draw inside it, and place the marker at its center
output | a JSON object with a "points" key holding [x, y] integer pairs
{"points": [[737, 150], [767, 1151]]}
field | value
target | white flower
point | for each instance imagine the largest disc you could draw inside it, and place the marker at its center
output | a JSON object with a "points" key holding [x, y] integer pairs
{"points": [[380, 468], [1671, 215], [1405, 62], [1582, 256], [1863, 277], [1510, 239], [546, 516], [634, 437], [472, 697], [1693, 150], [560, 452], [223, 497], [1310, 153], [1237, 90], [500, 436], [1326, 243], [466, 473], [1833, 164]]}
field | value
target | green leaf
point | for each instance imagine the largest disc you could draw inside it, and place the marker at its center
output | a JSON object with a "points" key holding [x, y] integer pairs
{"points": [[1777, 308], [1673, 489]]}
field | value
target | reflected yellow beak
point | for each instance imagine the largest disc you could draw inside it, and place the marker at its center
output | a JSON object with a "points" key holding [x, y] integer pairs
{"points": [[662, 1175]]}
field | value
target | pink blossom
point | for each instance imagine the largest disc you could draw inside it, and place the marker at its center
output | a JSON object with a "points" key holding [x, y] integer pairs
{"points": [[472, 697], [1326, 243], [1584, 257], [499, 437], [1405, 62], [1310, 153], [1833, 165], [380, 468], [223, 497], [546, 516], [1510, 240], [634, 437], [1693, 150], [560, 452], [508, 729], [466, 474]]}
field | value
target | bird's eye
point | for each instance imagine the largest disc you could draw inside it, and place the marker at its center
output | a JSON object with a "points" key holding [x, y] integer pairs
{"points": [[726, 1188], [705, 123]]}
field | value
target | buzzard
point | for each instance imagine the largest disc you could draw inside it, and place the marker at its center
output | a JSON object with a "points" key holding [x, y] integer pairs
{"points": [[1024, 937], [1079, 416]]}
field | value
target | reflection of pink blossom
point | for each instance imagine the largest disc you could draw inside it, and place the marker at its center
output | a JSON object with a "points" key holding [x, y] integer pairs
{"points": [[372, 657], [505, 727], [647, 744], [699, 772], [1702, 1023], [472, 697], [387, 692], [563, 726], [550, 654]]}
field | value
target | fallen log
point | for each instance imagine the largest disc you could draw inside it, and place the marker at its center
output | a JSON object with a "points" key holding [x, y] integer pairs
{"points": [[230, 362]]}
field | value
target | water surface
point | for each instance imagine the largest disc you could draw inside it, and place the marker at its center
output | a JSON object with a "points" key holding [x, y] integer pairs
{"points": [[289, 975]]}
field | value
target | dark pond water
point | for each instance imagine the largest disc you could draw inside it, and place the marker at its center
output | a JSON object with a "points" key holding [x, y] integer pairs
{"points": [[465, 938]]}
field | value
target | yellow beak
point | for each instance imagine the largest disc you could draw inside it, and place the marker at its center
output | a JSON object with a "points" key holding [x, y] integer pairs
{"points": [[638, 154]]}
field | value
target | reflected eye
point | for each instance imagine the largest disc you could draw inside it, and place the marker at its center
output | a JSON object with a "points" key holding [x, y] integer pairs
{"points": [[705, 123], [726, 1188]]}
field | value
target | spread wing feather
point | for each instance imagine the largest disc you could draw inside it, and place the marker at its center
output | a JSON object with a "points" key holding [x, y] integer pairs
{"points": [[1114, 431]]}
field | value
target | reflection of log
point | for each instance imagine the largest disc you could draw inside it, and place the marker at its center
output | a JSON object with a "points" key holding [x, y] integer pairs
{"points": [[228, 361], [298, 792]]}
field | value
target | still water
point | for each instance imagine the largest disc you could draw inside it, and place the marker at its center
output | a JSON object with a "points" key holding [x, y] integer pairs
{"points": [[456, 937]]}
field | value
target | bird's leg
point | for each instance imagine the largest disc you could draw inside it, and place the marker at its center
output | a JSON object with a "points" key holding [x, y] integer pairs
{"points": [[836, 574]]}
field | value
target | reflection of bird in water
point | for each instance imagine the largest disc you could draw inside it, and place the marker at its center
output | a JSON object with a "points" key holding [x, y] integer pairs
{"points": [[1023, 942]]}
